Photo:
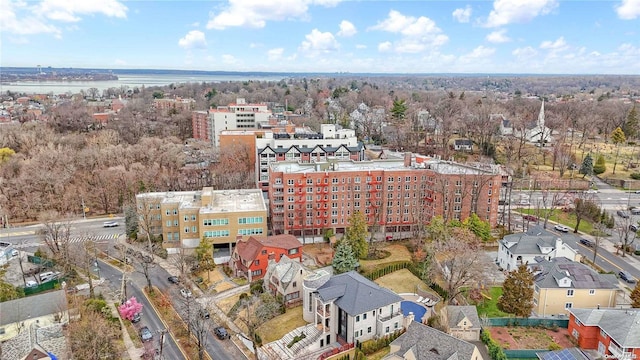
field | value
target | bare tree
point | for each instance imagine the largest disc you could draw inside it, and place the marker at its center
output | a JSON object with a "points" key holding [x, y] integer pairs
{"points": [[255, 310], [56, 235], [625, 232], [93, 337]]}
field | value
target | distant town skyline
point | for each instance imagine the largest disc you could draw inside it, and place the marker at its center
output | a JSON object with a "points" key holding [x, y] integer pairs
{"points": [[500, 36]]}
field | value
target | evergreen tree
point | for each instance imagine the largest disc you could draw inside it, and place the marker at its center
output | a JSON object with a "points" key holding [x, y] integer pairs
{"points": [[635, 296], [356, 235], [600, 166], [399, 109], [344, 260], [517, 293], [630, 126], [617, 137], [481, 229], [587, 166], [204, 254]]}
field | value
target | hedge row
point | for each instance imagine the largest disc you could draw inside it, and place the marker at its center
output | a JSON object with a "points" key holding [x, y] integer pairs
{"points": [[387, 269], [370, 346], [495, 351]]}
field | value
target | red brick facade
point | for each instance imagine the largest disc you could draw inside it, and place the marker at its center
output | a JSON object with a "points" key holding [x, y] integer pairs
{"points": [[250, 258], [592, 336]]}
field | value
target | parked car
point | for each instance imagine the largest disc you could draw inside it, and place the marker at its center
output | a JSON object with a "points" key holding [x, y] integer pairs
{"points": [[145, 334], [561, 228], [204, 313], [524, 202], [623, 275], [186, 293], [587, 242], [174, 279], [221, 333], [623, 214], [109, 224], [635, 211], [31, 284], [136, 318], [634, 227], [530, 217]]}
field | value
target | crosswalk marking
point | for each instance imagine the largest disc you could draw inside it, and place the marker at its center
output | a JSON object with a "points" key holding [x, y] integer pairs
{"points": [[74, 240]]}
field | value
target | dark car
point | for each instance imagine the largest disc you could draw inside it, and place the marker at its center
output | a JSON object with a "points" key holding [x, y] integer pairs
{"points": [[221, 333], [634, 227], [174, 279], [204, 313], [586, 242], [623, 214], [145, 334], [530, 217], [623, 275]]}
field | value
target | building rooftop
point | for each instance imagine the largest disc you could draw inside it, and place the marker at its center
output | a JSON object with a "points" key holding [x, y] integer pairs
{"points": [[623, 325], [530, 242], [427, 343], [221, 200], [455, 314], [547, 274]]}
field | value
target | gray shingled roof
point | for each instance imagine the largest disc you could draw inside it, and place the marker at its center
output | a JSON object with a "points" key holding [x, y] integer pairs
{"points": [[623, 325], [356, 294], [582, 276], [455, 314], [428, 343], [32, 307], [529, 242]]}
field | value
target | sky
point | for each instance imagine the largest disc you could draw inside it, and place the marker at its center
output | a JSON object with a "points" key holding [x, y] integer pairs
{"points": [[357, 36]]}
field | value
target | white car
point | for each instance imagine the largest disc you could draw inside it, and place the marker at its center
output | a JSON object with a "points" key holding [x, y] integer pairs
{"points": [[561, 228], [592, 191], [109, 224], [186, 293]]}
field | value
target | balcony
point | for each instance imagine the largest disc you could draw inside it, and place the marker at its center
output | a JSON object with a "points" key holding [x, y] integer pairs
{"points": [[389, 317], [325, 313], [619, 352]]}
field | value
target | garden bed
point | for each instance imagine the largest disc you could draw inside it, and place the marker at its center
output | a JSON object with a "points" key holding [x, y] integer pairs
{"points": [[521, 337]]}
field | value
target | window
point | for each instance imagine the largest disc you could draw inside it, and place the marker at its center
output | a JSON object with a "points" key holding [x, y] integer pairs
{"points": [[256, 272], [193, 218], [570, 292], [186, 229], [168, 223], [568, 305], [592, 291], [357, 318], [293, 251], [386, 330], [575, 333], [186, 218], [175, 211], [194, 229], [369, 330], [256, 262], [603, 334], [263, 252], [575, 319], [364, 316]]}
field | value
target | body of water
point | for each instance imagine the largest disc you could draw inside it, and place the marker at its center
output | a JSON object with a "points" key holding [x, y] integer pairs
{"points": [[129, 80]]}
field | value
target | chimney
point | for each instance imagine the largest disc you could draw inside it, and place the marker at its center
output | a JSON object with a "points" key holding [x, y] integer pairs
{"points": [[407, 159]]}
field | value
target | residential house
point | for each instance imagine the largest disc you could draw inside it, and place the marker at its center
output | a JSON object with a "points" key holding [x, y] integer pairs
{"points": [[506, 128], [561, 284], [463, 322], [614, 333], [42, 309], [37, 342], [463, 145], [532, 246], [251, 257], [422, 342], [285, 278], [349, 307]]}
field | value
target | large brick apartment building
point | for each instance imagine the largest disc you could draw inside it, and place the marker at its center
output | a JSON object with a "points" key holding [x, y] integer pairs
{"points": [[395, 195]]}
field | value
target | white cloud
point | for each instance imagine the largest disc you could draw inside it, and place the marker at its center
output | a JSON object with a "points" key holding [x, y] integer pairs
{"points": [[194, 39], [477, 54], [418, 34], [385, 46], [319, 42], [557, 45], [347, 29], [70, 10], [361, 46], [275, 54], [28, 24], [508, 11], [462, 15], [628, 10], [256, 13], [525, 52], [229, 59], [195, 24], [498, 36]]}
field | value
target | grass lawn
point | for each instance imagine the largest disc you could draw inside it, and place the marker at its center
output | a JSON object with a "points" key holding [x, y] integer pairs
{"points": [[401, 281], [489, 307], [279, 326], [559, 216], [227, 303], [398, 253], [379, 354]]}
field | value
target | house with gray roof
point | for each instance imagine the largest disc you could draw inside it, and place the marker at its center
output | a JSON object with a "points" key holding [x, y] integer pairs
{"points": [[44, 309], [462, 321], [349, 307], [613, 333], [532, 246], [561, 285], [285, 278], [422, 342]]}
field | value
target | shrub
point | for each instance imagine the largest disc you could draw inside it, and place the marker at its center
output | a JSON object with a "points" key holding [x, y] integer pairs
{"points": [[495, 351], [256, 287], [296, 339], [554, 346], [371, 346], [635, 176], [600, 166]]}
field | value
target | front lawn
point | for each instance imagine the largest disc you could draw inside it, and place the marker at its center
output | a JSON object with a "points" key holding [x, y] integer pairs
{"points": [[564, 218], [401, 281], [489, 306], [398, 253], [281, 325]]}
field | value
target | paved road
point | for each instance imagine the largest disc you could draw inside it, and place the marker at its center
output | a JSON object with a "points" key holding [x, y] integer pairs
{"points": [[149, 317]]}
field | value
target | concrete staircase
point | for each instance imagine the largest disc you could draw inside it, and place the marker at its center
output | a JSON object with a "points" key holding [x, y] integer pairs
{"points": [[279, 349]]}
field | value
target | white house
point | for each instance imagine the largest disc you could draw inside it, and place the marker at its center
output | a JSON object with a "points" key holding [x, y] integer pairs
{"points": [[350, 307], [532, 246]]}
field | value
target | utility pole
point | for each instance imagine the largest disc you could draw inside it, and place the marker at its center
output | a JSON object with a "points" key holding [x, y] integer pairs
{"points": [[162, 332]]}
